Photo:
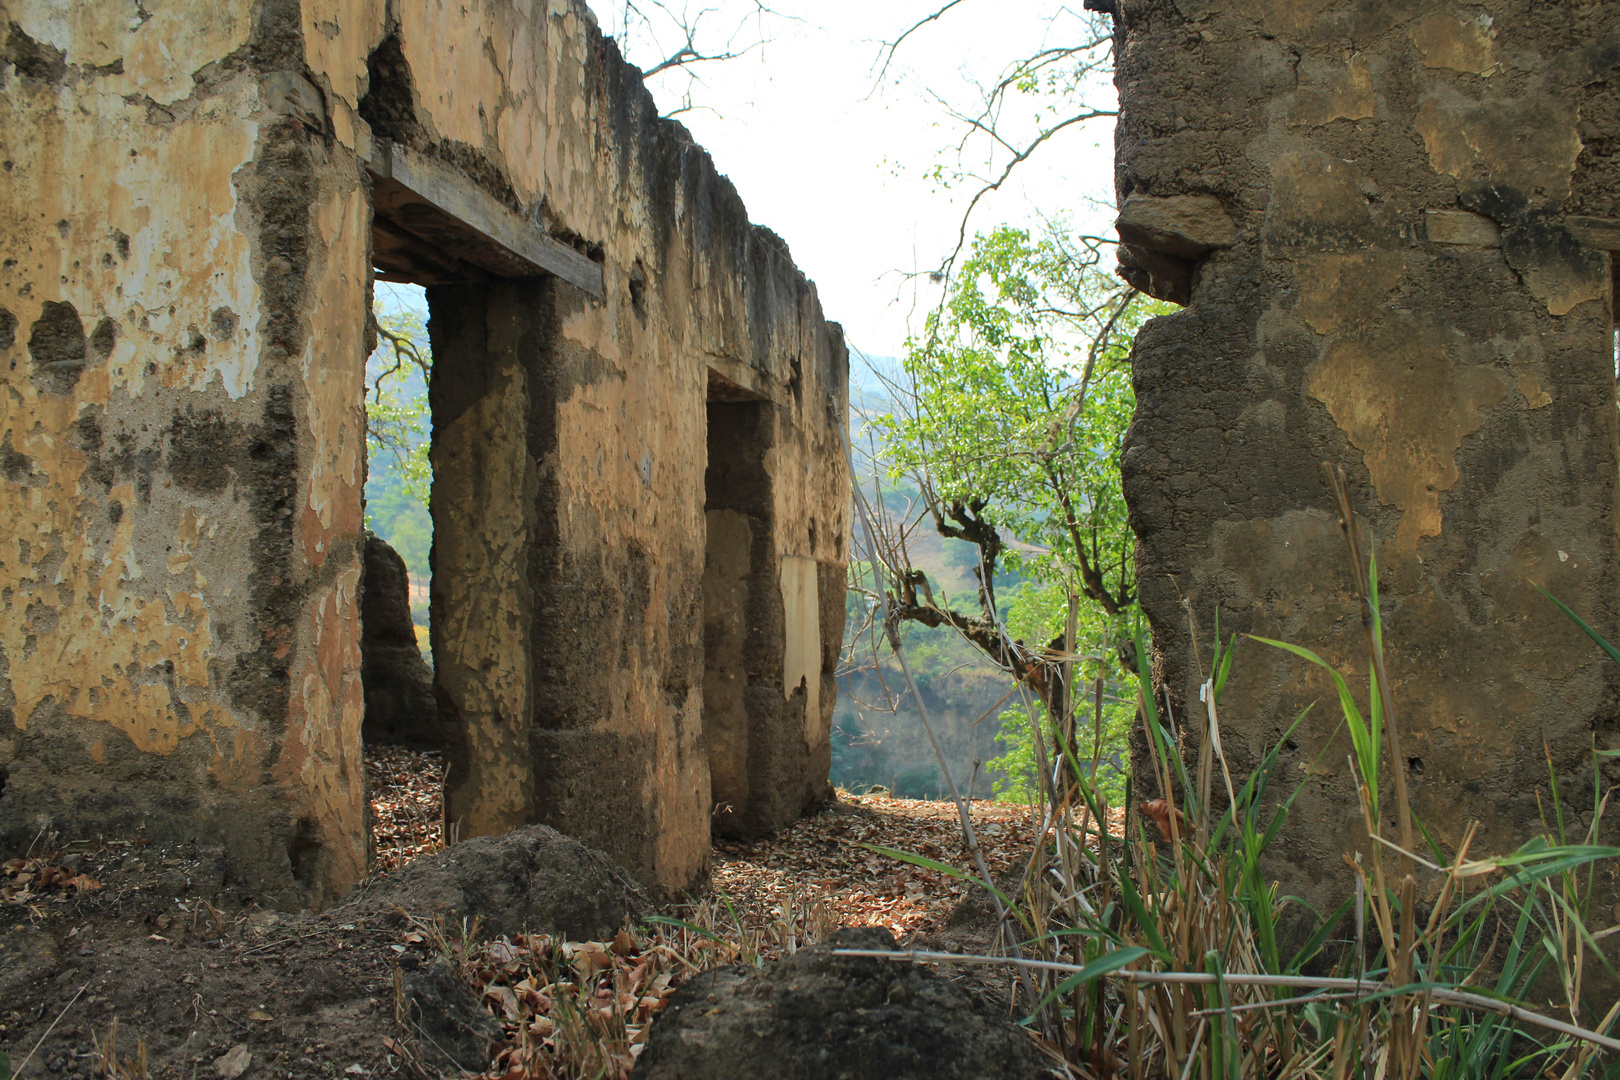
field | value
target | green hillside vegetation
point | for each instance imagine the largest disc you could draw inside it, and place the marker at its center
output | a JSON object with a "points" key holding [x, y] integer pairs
{"points": [[997, 444]]}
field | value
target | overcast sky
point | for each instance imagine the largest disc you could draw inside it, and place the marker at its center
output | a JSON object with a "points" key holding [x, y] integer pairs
{"points": [[837, 162]]}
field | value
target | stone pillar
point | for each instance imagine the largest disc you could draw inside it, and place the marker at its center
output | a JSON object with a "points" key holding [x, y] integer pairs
{"points": [[487, 339], [1391, 226], [400, 705]]}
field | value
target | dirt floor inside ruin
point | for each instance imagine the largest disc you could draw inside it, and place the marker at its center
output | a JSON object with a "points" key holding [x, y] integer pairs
{"points": [[129, 959]]}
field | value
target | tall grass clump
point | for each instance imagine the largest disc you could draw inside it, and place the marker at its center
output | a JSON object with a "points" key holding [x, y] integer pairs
{"points": [[1164, 953]]}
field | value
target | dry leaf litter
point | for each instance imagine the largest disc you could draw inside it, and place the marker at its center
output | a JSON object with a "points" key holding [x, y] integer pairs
{"points": [[577, 1009], [407, 804], [585, 1008], [822, 861]]}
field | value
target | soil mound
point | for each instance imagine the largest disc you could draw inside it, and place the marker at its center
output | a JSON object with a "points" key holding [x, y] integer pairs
{"points": [[532, 879], [816, 1016]]}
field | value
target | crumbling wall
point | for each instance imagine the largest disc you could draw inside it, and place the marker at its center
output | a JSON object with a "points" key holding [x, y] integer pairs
{"points": [[178, 650], [538, 108], [1383, 219], [187, 238]]}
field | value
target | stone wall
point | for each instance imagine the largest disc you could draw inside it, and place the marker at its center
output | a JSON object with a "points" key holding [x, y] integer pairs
{"points": [[1391, 225], [189, 237]]}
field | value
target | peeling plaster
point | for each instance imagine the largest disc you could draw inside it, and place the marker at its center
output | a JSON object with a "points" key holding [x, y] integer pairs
{"points": [[1407, 408]]}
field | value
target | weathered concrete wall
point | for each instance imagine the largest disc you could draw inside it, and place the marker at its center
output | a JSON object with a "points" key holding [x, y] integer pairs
{"points": [[178, 524], [1379, 216], [184, 451]]}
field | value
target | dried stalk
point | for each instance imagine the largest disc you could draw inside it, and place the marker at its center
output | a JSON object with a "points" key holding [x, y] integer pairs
{"points": [[1452, 997]]}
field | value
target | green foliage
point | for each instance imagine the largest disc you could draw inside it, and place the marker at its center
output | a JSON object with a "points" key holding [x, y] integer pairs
{"points": [[1415, 985], [1016, 771], [1037, 612], [1022, 398], [399, 476], [397, 413], [999, 417]]}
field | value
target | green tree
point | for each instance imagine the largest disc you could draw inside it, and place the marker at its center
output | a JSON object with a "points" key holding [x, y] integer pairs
{"points": [[399, 476], [397, 411], [1011, 422]]}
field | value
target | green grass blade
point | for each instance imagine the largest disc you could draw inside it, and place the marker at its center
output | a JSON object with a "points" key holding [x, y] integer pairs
{"points": [[1133, 903], [1440, 859], [1314, 943], [665, 920], [1614, 654], [1104, 964], [1362, 735], [1225, 667]]}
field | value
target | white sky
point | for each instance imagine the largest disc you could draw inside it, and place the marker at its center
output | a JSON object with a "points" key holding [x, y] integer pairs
{"points": [[836, 164]]}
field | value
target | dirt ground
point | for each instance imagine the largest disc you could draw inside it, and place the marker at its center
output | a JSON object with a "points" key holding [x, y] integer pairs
{"points": [[144, 956]]}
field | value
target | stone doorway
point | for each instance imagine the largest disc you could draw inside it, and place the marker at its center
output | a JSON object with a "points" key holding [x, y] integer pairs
{"points": [[740, 601], [488, 332]]}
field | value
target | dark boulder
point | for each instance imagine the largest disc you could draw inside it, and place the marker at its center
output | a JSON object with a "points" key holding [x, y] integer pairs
{"points": [[533, 879], [459, 1032], [400, 706], [816, 1016]]}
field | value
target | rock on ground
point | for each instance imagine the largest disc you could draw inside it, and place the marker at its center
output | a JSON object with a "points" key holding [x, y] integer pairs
{"points": [[816, 1016], [532, 879], [460, 1032], [400, 706]]}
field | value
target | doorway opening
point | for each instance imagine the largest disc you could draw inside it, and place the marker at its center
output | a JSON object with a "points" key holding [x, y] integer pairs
{"points": [[403, 741], [741, 604], [445, 570]]}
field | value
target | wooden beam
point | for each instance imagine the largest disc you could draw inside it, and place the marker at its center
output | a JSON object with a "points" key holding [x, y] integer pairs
{"points": [[435, 201], [398, 255]]}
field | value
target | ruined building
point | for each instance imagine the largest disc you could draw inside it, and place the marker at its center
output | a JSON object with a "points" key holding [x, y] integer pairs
{"points": [[1394, 229], [640, 497]]}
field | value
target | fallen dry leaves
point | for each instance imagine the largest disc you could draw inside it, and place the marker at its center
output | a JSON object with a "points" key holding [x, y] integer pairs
{"points": [[816, 871], [820, 860], [27, 880], [407, 804], [1159, 811], [572, 1009], [583, 1009]]}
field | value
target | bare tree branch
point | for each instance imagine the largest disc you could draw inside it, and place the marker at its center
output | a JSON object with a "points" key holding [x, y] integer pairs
{"points": [[894, 46]]}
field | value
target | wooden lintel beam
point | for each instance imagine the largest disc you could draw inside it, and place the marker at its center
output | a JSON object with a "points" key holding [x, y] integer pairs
{"points": [[475, 209]]}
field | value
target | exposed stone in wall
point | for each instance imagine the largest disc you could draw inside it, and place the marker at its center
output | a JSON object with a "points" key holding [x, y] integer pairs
{"points": [[1407, 293], [400, 706], [188, 243]]}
